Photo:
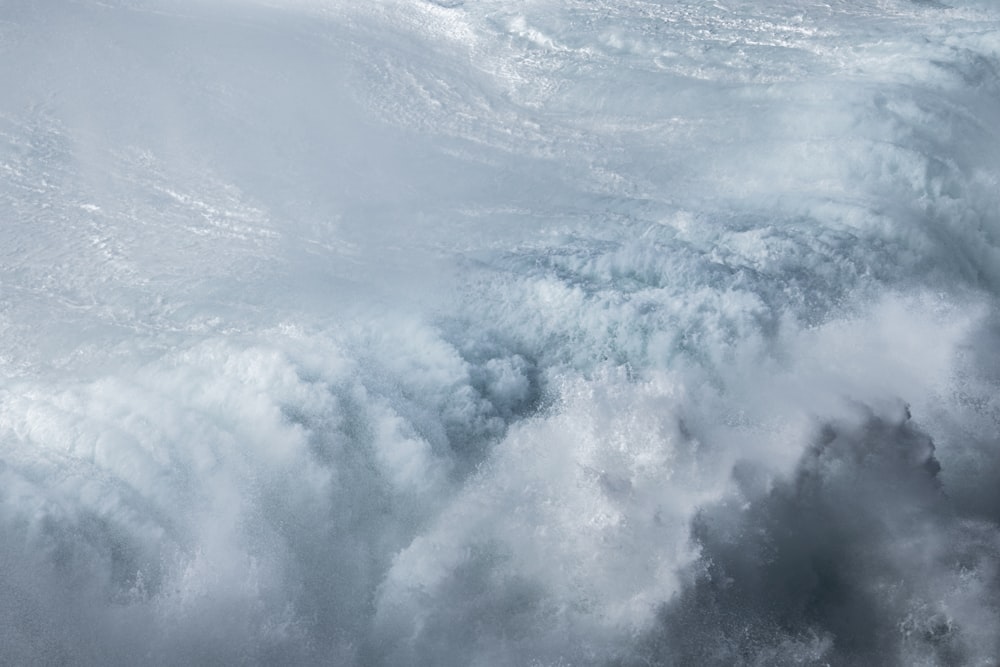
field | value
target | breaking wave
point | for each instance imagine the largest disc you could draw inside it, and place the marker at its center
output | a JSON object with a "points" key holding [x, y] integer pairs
{"points": [[493, 333]]}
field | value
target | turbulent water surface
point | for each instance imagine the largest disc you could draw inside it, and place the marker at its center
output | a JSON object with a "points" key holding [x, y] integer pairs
{"points": [[499, 332]]}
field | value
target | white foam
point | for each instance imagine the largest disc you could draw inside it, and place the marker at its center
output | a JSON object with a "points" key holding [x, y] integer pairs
{"points": [[472, 333]]}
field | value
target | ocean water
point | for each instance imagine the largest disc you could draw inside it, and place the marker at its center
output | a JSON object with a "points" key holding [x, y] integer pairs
{"points": [[535, 332]]}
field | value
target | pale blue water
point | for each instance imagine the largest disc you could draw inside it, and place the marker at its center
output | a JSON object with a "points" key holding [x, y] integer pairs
{"points": [[499, 333]]}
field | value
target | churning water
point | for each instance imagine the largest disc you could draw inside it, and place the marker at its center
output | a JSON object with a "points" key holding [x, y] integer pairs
{"points": [[496, 332]]}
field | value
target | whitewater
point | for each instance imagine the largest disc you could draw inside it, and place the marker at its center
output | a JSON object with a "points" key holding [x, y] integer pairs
{"points": [[500, 332]]}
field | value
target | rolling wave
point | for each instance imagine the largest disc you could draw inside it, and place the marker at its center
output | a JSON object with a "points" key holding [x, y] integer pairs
{"points": [[492, 333]]}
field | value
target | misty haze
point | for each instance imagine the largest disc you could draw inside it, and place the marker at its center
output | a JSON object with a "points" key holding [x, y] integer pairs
{"points": [[500, 332]]}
